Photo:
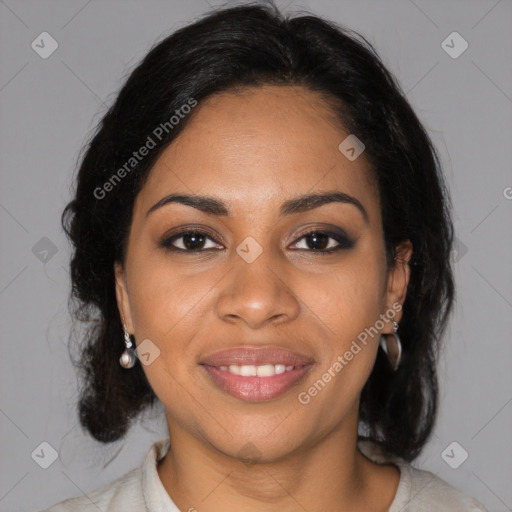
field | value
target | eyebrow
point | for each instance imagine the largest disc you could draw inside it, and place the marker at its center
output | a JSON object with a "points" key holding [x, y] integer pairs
{"points": [[300, 204]]}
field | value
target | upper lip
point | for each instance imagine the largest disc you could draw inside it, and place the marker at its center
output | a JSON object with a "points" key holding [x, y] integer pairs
{"points": [[247, 355]]}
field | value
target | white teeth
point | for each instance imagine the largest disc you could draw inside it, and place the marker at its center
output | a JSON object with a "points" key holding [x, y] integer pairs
{"points": [[281, 368], [266, 370], [250, 370], [233, 368]]}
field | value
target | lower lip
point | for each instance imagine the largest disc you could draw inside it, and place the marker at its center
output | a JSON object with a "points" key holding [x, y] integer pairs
{"points": [[256, 389]]}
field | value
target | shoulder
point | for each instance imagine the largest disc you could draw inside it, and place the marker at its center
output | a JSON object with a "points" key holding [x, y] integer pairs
{"points": [[419, 490], [426, 492], [123, 494], [138, 489]]}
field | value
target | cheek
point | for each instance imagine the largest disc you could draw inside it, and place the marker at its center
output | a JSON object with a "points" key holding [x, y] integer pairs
{"points": [[167, 309], [347, 305], [163, 292], [348, 302], [171, 303], [351, 296]]}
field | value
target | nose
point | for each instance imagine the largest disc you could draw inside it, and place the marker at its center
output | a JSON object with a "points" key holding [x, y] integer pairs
{"points": [[257, 293]]}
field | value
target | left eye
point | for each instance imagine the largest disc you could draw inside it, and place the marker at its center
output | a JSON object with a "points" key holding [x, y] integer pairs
{"points": [[323, 241]]}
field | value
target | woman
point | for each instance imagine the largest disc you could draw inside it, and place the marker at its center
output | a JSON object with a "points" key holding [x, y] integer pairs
{"points": [[263, 226]]}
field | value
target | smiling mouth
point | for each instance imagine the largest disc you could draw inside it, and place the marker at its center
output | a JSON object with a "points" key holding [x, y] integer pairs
{"points": [[264, 370], [256, 383]]}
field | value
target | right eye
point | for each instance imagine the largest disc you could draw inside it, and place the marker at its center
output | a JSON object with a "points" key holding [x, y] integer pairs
{"points": [[190, 241]]}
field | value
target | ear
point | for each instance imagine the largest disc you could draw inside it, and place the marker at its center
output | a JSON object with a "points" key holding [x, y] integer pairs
{"points": [[123, 300], [398, 280]]}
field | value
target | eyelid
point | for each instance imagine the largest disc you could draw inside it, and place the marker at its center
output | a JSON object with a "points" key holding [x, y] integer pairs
{"points": [[328, 229], [194, 228], [337, 234], [167, 240]]}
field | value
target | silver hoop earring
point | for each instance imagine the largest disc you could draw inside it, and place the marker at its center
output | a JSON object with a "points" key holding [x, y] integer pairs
{"points": [[127, 359], [392, 349]]}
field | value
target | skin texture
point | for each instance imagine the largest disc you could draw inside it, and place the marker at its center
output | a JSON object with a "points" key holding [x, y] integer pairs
{"points": [[255, 149]]}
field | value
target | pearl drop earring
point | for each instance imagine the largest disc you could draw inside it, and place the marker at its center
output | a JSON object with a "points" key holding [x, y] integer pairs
{"points": [[127, 359]]}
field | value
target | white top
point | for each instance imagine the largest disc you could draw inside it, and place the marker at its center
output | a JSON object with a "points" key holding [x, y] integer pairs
{"points": [[142, 490]]}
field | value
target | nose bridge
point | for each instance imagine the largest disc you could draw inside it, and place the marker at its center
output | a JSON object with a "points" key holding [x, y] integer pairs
{"points": [[256, 289]]}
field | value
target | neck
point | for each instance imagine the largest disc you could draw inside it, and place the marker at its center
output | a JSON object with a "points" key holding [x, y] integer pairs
{"points": [[328, 474]]}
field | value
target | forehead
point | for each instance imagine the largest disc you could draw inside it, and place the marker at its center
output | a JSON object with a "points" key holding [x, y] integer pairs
{"points": [[258, 147]]}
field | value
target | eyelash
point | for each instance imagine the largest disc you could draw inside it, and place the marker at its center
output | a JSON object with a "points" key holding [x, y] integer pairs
{"points": [[343, 241]]}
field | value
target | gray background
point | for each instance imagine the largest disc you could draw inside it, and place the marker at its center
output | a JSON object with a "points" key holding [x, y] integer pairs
{"points": [[48, 110]]}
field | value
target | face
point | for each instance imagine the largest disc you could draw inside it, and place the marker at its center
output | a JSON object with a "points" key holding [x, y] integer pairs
{"points": [[258, 269]]}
